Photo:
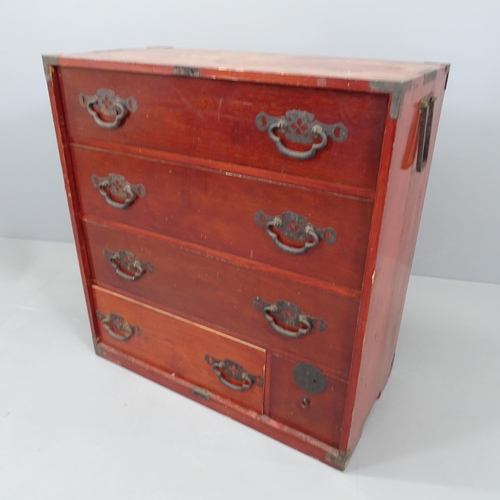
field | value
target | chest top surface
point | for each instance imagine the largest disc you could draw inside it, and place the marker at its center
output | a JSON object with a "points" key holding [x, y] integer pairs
{"points": [[246, 62]]}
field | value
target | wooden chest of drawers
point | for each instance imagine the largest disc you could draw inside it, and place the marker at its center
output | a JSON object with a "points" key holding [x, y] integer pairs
{"points": [[245, 224]]}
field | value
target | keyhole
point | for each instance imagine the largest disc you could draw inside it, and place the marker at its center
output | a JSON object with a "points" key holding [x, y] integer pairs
{"points": [[305, 402]]}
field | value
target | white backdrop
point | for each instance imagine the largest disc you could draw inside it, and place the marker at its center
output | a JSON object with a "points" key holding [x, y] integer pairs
{"points": [[460, 232]]}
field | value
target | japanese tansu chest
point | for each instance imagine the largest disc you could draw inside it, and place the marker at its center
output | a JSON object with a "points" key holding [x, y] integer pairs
{"points": [[245, 224]]}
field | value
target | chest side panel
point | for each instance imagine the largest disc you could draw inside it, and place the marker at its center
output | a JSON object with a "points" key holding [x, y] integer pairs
{"points": [[387, 276]]}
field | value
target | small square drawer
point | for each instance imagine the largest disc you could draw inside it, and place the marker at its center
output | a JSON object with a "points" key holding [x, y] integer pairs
{"points": [[304, 398]]}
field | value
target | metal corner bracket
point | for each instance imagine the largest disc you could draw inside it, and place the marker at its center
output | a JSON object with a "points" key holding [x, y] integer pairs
{"points": [[48, 61], [186, 71], [397, 90], [340, 459], [430, 76]]}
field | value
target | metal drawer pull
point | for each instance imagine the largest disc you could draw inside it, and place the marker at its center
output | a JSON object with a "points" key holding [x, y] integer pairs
{"points": [[287, 318], [106, 103], [426, 110], [228, 370], [294, 227], [114, 186], [127, 265], [113, 324], [300, 127]]}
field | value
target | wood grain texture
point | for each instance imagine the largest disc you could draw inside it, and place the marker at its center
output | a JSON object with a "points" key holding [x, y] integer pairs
{"points": [[322, 418], [56, 103], [277, 430], [200, 287], [207, 169], [179, 347], [232, 169], [399, 208], [221, 63], [216, 119], [191, 204]]}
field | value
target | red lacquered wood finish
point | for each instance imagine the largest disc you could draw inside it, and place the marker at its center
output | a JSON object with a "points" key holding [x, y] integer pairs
{"points": [[221, 293], [207, 169], [216, 119], [319, 415], [399, 206], [179, 347], [191, 204]]}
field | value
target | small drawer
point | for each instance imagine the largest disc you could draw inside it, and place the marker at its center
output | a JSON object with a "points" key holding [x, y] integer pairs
{"points": [[264, 309], [304, 398], [325, 236], [204, 357], [270, 127]]}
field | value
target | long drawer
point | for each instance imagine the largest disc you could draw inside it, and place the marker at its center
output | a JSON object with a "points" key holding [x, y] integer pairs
{"points": [[204, 357], [320, 234], [263, 308], [318, 133]]}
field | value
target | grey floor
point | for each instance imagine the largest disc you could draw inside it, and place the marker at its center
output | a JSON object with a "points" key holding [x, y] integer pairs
{"points": [[74, 426]]}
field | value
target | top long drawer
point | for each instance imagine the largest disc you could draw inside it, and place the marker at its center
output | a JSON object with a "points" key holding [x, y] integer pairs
{"points": [[334, 136]]}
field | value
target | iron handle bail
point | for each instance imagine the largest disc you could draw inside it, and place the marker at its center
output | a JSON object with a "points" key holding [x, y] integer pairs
{"points": [[228, 371], [300, 127]]}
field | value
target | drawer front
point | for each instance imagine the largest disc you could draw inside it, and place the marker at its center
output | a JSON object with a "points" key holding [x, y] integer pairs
{"points": [[306, 399], [219, 211], [217, 120], [227, 295], [204, 357]]}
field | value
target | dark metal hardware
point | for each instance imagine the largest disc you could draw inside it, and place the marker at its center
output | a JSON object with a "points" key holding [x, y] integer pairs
{"points": [[185, 71], [294, 227], [116, 326], [305, 401], [114, 186], [426, 110], [228, 370], [300, 127], [309, 378], [200, 392], [295, 322], [106, 103], [127, 265]]}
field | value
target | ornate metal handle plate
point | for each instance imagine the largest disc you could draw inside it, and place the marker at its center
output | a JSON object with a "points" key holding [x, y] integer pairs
{"points": [[127, 265], [116, 326], [228, 370], [309, 378], [107, 104], [300, 127], [294, 227], [115, 187], [287, 318]]}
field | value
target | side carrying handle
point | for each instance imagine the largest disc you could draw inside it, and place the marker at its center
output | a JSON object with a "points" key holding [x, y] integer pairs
{"points": [[426, 110], [232, 374]]}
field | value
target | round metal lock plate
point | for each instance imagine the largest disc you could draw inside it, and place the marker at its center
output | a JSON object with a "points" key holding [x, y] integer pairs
{"points": [[309, 378]]}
